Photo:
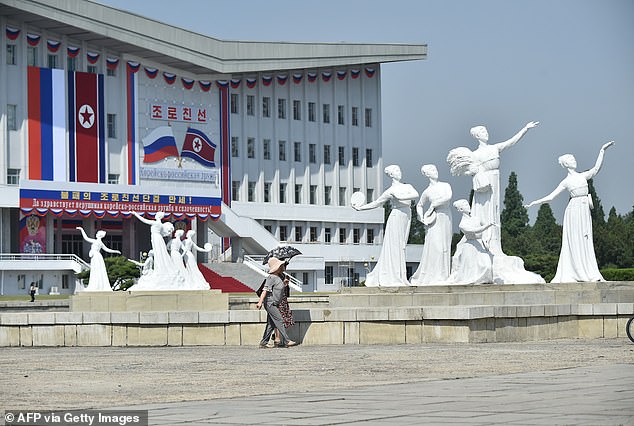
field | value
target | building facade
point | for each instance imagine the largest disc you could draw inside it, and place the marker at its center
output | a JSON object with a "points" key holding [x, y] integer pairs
{"points": [[250, 149]]}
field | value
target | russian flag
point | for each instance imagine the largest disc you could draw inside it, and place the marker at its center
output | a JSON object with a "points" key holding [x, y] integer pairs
{"points": [[46, 124], [199, 147], [159, 144], [86, 127]]}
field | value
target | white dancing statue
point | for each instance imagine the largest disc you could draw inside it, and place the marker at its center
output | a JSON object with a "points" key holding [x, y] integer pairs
{"points": [[483, 165], [472, 263], [435, 264], [390, 268], [147, 266], [98, 280], [577, 261], [165, 275], [195, 279], [175, 247]]}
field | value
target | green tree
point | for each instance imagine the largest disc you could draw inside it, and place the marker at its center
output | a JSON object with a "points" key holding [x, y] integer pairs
{"points": [[597, 213], [120, 272], [546, 231], [516, 238], [416, 229]]}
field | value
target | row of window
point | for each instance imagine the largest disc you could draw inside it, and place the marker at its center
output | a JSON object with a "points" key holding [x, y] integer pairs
{"points": [[297, 110], [329, 234], [298, 191], [52, 60], [13, 177], [298, 150]]}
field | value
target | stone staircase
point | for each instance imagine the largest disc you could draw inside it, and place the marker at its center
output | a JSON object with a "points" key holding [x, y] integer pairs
{"points": [[236, 271]]}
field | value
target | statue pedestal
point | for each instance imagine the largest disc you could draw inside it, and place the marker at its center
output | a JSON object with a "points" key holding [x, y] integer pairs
{"points": [[150, 301]]}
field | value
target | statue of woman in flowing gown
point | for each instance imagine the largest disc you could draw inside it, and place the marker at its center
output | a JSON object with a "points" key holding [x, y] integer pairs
{"points": [[164, 276], [176, 253], [483, 166], [147, 266], [390, 268], [195, 279], [577, 261], [472, 262], [435, 264], [98, 280]]}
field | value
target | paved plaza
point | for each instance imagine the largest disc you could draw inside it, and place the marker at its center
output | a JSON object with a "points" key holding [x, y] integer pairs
{"points": [[555, 382]]}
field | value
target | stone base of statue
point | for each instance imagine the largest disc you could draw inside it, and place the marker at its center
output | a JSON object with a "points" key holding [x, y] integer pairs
{"points": [[146, 301]]}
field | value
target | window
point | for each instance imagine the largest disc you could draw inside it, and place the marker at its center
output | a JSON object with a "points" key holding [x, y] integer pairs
{"points": [[368, 117], [234, 103], [329, 275], [342, 196], [326, 154], [327, 195], [13, 176], [298, 193], [250, 105], [113, 179], [340, 114], [313, 234], [111, 120], [299, 233], [111, 72], [12, 121], [356, 235], [251, 147], [342, 156], [355, 116], [312, 153], [313, 194], [368, 157], [342, 235], [11, 56], [266, 107], [355, 156], [282, 150], [251, 191], [369, 195], [297, 152], [266, 149], [269, 228], [281, 108], [91, 69], [297, 110], [65, 281], [31, 56], [235, 190], [283, 233], [326, 113], [305, 278], [71, 64], [282, 192], [235, 152], [311, 111], [267, 192], [327, 235], [370, 236], [51, 60]]}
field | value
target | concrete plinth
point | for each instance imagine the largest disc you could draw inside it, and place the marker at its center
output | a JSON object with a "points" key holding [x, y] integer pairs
{"points": [[150, 301]]}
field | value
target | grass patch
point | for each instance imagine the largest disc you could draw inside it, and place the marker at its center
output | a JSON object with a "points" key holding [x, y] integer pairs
{"points": [[27, 297]]}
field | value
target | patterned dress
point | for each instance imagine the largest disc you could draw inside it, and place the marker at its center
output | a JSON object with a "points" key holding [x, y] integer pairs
{"points": [[285, 310]]}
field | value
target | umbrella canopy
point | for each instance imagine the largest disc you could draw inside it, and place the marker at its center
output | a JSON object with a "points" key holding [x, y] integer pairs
{"points": [[282, 253]]}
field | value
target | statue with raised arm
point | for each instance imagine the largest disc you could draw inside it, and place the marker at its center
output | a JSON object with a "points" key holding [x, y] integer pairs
{"points": [[390, 268], [98, 280], [435, 263], [165, 276], [577, 261], [472, 262], [483, 166], [176, 254], [147, 266], [195, 279]]}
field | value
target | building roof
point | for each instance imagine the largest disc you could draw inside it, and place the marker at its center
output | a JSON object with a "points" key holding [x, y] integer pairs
{"points": [[115, 30]]}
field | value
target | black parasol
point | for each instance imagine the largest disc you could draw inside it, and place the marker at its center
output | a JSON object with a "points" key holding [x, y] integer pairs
{"points": [[281, 253]]}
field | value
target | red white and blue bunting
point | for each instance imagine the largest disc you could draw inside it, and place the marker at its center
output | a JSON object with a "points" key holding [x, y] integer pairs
{"points": [[53, 45], [151, 72], [112, 63], [205, 85], [72, 51], [133, 67], [92, 57], [169, 77], [188, 83], [12, 33], [33, 39]]}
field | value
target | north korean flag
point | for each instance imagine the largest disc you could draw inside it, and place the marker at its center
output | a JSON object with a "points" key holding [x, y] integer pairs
{"points": [[86, 127], [199, 147]]}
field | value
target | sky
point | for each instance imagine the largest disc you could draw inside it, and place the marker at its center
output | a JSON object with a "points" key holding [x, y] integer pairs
{"points": [[568, 64]]}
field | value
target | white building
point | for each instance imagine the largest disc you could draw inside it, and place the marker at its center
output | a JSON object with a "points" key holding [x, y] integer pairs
{"points": [[293, 130]]}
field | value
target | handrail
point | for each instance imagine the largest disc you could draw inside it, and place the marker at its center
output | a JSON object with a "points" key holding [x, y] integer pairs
{"points": [[257, 266], [17, 257]]}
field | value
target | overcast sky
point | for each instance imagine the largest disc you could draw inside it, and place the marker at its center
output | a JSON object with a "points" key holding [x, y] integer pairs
{"points": [[568, 64]]}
